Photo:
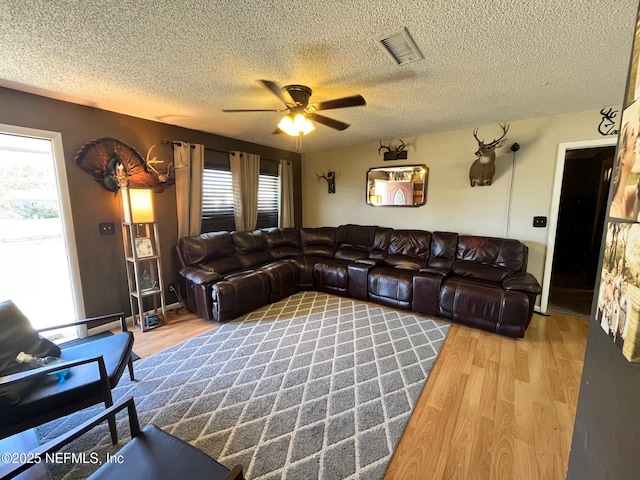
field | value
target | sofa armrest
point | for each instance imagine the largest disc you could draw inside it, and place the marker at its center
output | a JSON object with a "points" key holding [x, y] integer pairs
{"points": [[198, 276], [442, 272], [523, 282]]}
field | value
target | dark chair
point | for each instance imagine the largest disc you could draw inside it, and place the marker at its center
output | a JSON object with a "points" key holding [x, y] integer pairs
{"points": [[151, 453], [29, 398]]}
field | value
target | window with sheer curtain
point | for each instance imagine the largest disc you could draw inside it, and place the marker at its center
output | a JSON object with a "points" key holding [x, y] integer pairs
{"points": [[217, 197]]}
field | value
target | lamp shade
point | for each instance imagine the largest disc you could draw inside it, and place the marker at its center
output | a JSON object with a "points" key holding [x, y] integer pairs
{"points": [[137, 205]]}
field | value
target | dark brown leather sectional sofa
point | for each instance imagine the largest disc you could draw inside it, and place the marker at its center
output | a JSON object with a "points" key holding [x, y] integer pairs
{"points": [[477, 281]]}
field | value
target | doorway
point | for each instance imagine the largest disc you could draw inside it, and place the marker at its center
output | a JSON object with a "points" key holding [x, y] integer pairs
{"points": [[580, 222], [40, 270]]}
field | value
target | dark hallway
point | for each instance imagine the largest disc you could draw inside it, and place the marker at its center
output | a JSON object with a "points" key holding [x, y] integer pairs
{"points": [[585, 189]]}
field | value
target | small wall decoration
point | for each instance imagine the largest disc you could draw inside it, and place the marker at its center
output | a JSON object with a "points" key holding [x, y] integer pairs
{"points": [[393, 153], [115, 164], [484, 168], [608, 123], [330, 177]]}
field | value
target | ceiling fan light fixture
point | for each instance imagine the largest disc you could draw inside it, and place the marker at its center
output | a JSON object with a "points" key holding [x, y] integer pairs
{"points": [[296, 125]]}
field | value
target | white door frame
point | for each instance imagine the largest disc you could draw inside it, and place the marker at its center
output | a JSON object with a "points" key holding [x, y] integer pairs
{"points": [[555, 206], [65, 207]]}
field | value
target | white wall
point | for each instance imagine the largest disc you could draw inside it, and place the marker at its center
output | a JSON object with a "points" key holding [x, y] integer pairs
{"points": [[452, 205]]}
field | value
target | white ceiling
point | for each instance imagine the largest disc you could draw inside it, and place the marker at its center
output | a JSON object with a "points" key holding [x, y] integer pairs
{"points": [[182, 62]]}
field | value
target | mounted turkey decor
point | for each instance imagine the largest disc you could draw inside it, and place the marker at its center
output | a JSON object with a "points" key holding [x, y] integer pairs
{"points": [[300, 113], [115, 164]]}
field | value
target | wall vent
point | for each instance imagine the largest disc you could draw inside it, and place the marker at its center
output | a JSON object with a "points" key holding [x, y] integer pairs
{"points": [[400, 47]]}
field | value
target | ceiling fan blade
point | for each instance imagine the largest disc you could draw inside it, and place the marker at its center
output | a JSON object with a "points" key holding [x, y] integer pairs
{"points": [[258, 110], [279, 92], [352, 101], [276, 131], [329, 122]]}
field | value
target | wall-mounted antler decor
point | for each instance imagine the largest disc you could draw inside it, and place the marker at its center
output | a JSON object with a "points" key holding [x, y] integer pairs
{"points": [[115, 164], [330, 177], [484, 168], [162, 172], [394, 153]]}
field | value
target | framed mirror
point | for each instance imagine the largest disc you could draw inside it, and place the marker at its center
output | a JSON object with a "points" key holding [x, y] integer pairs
{"points": [[403, 186]]}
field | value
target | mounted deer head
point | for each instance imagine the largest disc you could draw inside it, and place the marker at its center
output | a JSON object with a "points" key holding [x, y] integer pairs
{"points": [[330, 177], [396, 153], [484, 168]]}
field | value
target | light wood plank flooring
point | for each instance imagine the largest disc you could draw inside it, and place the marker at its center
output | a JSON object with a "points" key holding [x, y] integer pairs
{"points": [[493, 407], [497, 408]]}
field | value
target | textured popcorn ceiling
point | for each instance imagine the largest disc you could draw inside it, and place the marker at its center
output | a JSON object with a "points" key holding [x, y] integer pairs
{"points": [[181, 62]]}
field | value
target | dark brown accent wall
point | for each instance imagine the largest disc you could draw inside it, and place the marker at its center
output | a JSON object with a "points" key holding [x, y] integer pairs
{"points": [[101, 258], [605, 436]]}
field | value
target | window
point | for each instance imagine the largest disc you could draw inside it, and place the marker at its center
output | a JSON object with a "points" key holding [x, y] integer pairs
{"points": [[217, 199], [268, 194]]}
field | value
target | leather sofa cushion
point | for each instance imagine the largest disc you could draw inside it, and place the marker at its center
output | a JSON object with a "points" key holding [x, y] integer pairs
{"points": [[443, 250], [355, 235], [283, 277], [381, 241], [282, 243], [409, 249], [248, 242], [484, 305], [212, 251], [240, 293], [480, 271], [350, 253], [391, 283], [318, 242], [223, 265], [508, 254], [251, 248], [331, 273], [199, 249], [199, 276]]}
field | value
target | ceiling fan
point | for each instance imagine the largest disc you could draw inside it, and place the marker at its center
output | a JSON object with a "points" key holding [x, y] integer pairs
{"points": [[296, 99]]}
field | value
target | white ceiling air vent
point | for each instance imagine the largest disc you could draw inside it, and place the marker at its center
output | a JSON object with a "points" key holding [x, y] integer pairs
{"points": [[400, 47]]}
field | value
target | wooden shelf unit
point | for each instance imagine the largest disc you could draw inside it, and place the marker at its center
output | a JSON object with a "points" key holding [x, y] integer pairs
{"points": [[144, 272]]}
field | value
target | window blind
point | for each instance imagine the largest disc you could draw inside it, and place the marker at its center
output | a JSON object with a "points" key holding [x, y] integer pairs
{"points": [[217, 200]]}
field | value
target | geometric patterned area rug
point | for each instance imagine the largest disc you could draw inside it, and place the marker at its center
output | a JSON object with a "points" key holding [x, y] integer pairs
{"points": [[315, 386]]}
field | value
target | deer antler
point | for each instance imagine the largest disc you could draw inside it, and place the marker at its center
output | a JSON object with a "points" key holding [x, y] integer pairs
{"points": [[388, 149], [321, 176], [505, 129], [400, 148], [475, 135]]}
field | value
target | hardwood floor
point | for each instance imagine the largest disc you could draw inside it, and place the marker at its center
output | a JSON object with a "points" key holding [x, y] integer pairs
{"points": [[497, 408], [493, 407], [181, 325]]}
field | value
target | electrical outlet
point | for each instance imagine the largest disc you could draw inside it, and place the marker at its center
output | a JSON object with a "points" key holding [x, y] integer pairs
{"points": [[106, 228], [539, 222]]}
